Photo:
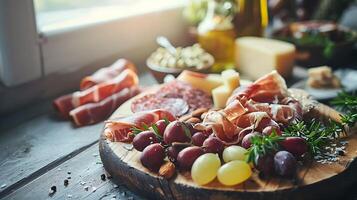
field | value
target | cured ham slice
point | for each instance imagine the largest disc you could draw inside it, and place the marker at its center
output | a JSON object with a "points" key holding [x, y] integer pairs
{"points": [[95, 112], [125, 79], [261, 107], [224, 129], [268, 89], [286, 111], [63, 105], [234, 110], [119, 130], [106, 73]]}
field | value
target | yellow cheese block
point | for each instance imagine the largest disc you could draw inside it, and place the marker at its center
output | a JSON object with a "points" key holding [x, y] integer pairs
{"points": [[231, 79], [220, 96], [256, 57], [205, 82]]}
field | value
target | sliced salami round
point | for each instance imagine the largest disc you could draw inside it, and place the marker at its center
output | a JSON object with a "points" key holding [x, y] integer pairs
{"points": [[176, 106]]}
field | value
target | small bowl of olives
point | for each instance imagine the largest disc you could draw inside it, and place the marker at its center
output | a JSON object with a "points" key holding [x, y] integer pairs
{"points": [[163, 62]]}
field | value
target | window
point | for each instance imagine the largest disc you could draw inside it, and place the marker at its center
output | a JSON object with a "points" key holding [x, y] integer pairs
{"points": [[61, 14], [63, 35]]}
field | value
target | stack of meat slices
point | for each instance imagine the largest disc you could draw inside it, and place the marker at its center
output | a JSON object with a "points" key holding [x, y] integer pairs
{"points": [[261, 107], [100, 94], [176, 97]]}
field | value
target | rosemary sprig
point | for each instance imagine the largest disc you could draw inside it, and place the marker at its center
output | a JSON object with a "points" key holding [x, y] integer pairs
{"points": [[315, 134], [318, 135], [349, 119], [345, 102], [145, 127], [262, 145]]}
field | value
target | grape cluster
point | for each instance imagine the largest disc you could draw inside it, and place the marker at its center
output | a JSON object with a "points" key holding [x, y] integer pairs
{"points": [[208, 158]]}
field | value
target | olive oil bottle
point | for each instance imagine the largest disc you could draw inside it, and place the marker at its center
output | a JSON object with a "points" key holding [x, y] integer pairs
{"points": [[216, 34], [251, 17]]}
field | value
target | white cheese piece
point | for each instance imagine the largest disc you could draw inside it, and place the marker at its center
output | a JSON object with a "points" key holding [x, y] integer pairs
{"points": [[322, 77], [205, 82], [231, 78], [256, 56], [220, 96]]}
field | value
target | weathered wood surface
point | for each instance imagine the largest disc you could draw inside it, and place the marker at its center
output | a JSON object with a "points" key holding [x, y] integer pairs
{"points": [[29, 149], [35, 140], [84, 183], [313, 179]]}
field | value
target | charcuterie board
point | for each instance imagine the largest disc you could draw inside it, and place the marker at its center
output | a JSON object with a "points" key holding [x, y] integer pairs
{"points": [[313, 179]]}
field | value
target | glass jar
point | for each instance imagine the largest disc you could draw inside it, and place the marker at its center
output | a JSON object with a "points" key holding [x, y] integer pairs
{"points": [[251, 17], [216, 34]]}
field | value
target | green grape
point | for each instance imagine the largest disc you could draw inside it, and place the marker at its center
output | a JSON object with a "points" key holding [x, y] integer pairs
{"points": [[234, 172], [234, 153], [205, 168]]}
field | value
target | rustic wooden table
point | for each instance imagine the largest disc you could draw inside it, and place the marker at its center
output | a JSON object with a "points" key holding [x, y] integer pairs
{"points": [[39, 152]]}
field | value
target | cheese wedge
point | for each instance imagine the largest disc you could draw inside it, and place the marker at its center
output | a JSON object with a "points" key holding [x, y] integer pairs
{"points": [[205, 82], [256, 56], [230, 79], [220, 96]]}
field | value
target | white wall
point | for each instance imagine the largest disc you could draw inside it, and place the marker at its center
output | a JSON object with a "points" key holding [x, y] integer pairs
{"points": [[70, 55]]}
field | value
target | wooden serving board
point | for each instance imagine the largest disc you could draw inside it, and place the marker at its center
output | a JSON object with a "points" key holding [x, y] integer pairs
{"points": [[314, 180]]}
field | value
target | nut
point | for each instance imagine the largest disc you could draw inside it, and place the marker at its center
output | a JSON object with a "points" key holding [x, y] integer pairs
{"points": [[167, 170], [185, 117], [198, 112], [193, 120]]}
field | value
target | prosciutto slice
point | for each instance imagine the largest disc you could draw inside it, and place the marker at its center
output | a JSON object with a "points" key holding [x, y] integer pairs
{"points": [[264, 103], [287, 110], [221, 126], [125, 79], [63, 105], [119, 130], [107, 73], [95, 112], [268, 89]]}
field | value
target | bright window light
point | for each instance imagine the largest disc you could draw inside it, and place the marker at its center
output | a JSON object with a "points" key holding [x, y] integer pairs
{"points": [[57, 15]]}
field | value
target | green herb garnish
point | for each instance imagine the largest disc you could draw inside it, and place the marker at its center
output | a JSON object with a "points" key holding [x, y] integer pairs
{"points": [[262, 145], [145, 127], [345, 102], [316, 134]]}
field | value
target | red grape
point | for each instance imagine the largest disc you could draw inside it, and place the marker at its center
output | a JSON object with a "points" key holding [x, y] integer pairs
{"points": [[244, 132], [187, 157], [177, 131], [295, 145], [213, 145], [285, 163], [269, 130], [172, 152], [144, 139], [265, 122], [265, 164], [246, 143], [190, 127], [152, 157], [198, 138], [161, 126]]}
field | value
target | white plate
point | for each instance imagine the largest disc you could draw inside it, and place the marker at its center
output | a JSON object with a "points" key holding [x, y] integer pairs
{"points": [[348, 79]]}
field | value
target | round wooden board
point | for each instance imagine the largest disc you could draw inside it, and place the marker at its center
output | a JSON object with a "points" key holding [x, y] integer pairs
{"points": [[314, 180]]}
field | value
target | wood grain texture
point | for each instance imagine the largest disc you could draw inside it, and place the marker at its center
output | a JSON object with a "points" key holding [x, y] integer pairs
{"points": [[312, 180], [28, 138], [85, 172]]}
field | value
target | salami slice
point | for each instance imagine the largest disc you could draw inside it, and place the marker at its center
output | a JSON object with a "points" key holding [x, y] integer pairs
{"points": [[176, 97], [176, 106], [195, 98]]}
